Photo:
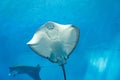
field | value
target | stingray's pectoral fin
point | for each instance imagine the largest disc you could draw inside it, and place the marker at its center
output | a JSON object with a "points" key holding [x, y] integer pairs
{"points": [[34, 75]]}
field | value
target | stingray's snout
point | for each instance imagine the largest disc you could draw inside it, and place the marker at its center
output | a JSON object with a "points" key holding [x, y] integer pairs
{"points": [[35, 39]]}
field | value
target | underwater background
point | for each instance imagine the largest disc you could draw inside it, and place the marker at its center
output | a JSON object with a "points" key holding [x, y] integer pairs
{"points": [[97, 55]]}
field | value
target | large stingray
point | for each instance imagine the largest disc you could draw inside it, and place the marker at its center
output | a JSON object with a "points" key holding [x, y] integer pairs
{"points": [[55, 42]]}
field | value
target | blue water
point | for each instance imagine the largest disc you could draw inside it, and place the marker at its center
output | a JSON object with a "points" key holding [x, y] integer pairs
{"points": [[97, 55]]}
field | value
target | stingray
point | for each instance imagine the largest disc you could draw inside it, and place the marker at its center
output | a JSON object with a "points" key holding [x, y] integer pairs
{"points": [[33, 72], [55, 42]]}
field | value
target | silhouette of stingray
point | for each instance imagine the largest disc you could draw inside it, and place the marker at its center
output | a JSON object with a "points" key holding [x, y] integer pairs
{"points": [[33, 72], [55, 42]]}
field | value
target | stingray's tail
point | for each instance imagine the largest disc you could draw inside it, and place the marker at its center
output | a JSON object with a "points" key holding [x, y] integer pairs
{"points": [[63, 69]]}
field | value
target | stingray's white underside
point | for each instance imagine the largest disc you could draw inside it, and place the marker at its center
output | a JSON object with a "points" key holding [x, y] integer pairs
{"points": [[55, 41]]}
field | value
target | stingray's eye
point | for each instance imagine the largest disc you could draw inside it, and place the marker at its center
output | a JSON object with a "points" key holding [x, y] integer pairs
{"points": [[50, 26]]}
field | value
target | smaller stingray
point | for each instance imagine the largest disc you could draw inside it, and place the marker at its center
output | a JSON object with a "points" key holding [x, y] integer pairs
{"points": [[55, 42], [33, 72]]}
